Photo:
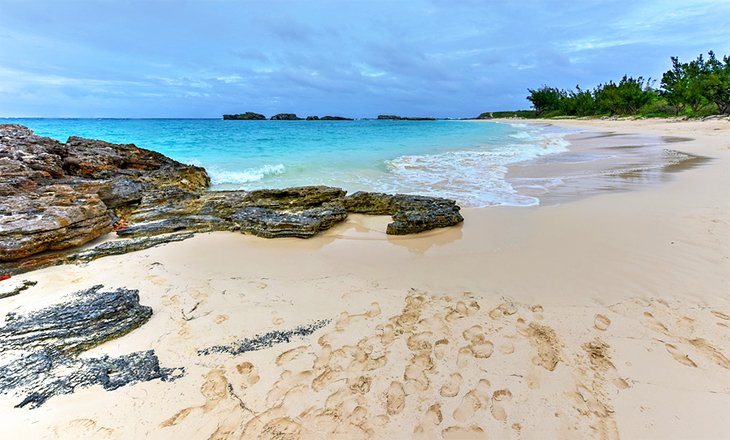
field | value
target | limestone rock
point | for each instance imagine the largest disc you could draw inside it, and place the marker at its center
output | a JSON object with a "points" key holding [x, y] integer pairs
{"points": [[411, 214]]}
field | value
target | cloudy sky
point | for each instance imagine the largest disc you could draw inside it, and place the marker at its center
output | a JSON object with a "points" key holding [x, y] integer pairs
{"points": [[156, 58]]}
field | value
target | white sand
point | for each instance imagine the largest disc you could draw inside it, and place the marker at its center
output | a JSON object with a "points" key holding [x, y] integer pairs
{"points": [[604, 317]]}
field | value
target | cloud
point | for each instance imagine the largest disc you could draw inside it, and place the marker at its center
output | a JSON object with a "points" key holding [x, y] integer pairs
{"points": [[435, 57]]}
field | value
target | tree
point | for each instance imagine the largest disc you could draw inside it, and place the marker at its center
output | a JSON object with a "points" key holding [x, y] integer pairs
{"points": [[717, 82], [674, 85], [626, 97], [578, 102], [545, 99]]}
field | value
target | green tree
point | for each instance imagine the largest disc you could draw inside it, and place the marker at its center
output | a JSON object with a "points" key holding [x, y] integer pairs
{"points": [[545, 99], [716, 84], [578, 102], [674, 85], [626, 97]]}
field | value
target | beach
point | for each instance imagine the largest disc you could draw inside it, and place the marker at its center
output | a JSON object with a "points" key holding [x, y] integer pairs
{"points": [[602, 313]]}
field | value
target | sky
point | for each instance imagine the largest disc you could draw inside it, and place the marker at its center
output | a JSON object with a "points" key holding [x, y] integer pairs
{"points": [[440, 58]]}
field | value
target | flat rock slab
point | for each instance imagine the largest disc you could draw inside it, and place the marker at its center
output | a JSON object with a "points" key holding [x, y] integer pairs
{"points": [[39, 351]]}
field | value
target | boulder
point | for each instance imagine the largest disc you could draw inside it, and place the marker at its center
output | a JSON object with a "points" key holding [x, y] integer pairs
{"points": [[411, 214]]}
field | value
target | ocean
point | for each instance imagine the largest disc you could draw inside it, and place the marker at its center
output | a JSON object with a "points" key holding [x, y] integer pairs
{"points": [[462, 160]]}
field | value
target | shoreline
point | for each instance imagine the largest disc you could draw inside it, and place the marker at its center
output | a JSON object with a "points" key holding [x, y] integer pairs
{"points": [[606, 316]]}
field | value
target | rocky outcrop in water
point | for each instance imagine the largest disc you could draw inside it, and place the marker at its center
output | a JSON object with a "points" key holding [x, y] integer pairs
{"points": [[55, 197], [39, 356], [285, 117], [248, 116], [404, 118]]}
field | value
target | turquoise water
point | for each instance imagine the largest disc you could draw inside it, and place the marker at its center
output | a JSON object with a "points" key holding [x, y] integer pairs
{"points": [[463, 160]]}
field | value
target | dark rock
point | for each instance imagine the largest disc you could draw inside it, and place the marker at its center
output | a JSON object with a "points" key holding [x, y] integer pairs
{"points": [[90, 318], [416, 214], [266, 340], [45, 374], [248, 116], [405, 118], [285, 117], [123, 246], [197, 223], [312, 118], [411, 214], [335, 118], [40, 350], [269, 223], [9, 288]]}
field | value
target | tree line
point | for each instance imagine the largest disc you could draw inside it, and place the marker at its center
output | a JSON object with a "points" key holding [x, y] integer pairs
{"points": [[696, 88]]}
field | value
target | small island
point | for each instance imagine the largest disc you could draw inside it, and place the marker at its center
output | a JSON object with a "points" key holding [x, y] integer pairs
{"points": [[248, 116], [404, 118]]}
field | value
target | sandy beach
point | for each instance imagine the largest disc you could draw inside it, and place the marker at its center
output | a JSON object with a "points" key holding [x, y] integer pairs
{"points": [[602, 313]]}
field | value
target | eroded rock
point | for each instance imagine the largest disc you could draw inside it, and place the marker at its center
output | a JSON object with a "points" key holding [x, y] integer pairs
{"points": [[39, 353]]}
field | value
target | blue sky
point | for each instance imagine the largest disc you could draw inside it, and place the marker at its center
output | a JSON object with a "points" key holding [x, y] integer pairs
{"points": [[444, 58]]}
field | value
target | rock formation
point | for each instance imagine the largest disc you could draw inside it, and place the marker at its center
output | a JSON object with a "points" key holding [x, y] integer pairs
{"points": [[57, 196], [40, 350], [285, 117], [405, 118], [248, 116]]}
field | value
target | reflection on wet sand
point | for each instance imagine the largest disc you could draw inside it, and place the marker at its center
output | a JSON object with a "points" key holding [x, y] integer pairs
{"points": [[601, 162]]}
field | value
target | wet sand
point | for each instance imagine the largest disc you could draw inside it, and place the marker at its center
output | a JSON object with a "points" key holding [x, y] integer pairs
{"points": [[603, 314]]}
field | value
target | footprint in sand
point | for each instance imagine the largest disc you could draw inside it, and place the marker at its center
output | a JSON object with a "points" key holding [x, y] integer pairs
{"points": [[287, 380], [463, 359], [281, 428], [249, 372], [473, 432], [472, 401], [472, 332], [82, 428], [711, 352], [439, 348], [395, 398], [601, 322], [721, 315], [482, 348], [679, 356], [655, 323], [545, 341], [498, 411], [507, 347], [290, 355], [220, 319], [469, 405], [434, 415], [452, 386]]}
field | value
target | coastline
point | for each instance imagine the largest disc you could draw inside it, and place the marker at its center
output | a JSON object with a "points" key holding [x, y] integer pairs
{"points": [[607, 316]]}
